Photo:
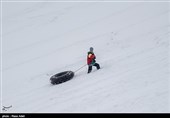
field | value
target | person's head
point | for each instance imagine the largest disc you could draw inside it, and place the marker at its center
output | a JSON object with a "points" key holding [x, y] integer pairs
{"points": [[91, 49]]}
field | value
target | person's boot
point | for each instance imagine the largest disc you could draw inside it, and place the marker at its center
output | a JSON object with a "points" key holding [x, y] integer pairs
{"points": [[89, 71], [97, 66]]}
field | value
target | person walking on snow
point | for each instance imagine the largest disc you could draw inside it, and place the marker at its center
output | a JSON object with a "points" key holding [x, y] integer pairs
{"points": [[91, 60]]}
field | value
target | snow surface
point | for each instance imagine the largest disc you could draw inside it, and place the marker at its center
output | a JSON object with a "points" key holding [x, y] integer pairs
{"points": [[130, 40]]}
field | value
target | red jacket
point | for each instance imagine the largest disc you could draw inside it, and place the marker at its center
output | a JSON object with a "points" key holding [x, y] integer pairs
{"points": [[91, 58]]}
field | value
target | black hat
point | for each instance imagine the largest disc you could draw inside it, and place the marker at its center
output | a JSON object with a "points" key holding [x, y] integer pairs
{"points": [[91, 49]]}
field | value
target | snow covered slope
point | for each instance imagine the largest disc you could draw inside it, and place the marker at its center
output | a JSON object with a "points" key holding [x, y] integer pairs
{"points": [[130, 40]]}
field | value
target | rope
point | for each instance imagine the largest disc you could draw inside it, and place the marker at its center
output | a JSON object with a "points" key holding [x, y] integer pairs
{"points": [[80, 68]]}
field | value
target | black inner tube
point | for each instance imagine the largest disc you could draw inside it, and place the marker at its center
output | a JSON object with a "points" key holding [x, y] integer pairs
{"points": [[61, 77]]}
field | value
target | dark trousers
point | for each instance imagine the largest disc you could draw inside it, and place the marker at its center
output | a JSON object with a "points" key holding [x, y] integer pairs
{"points": [[90, 67]]}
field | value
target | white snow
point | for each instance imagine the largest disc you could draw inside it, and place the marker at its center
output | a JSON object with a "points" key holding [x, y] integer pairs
{"points": [[131, 43]]}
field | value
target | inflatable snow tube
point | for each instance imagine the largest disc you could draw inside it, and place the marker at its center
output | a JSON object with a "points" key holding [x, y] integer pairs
{"points": [[61, 77]]}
